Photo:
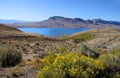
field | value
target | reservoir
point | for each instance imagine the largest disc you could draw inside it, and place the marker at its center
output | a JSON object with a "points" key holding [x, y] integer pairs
{"points": [[54, 32]]}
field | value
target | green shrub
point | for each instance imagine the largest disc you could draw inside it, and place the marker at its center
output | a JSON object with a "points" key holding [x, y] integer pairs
{"points": [[83, 37], [70, 65], [9, 57], [80, 38], [61, 50], [112, 65], [116, 51], [110, 60]]}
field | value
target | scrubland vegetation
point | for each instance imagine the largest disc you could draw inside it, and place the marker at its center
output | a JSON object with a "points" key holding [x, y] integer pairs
{"points": [[76, 65], [91, 54]]}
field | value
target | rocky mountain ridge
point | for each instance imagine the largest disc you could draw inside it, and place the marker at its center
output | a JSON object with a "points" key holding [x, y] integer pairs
{"points": [[63, 22]]}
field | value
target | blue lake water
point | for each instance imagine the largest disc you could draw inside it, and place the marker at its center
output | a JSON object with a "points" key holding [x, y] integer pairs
{"points": [[54, 32]]}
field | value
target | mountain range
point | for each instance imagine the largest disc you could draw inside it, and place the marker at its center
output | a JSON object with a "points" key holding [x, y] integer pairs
{"points": [[2, 21], [63, 22]]}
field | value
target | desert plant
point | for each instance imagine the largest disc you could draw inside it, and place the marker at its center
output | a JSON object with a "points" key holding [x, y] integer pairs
{"points": [[109, 60], [70, 65], [112, 65], [35, 62], [61, 50], [9, 57], [116, 51]]}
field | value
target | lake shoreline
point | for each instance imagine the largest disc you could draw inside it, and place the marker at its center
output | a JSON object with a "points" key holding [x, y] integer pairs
{"points": [[53, 32]]}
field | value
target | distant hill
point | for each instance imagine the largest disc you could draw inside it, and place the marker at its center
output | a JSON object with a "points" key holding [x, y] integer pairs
{"points": [[4, 29], [11, 33], [2, 21], [7, 31], [8, 28], [58, 21]]}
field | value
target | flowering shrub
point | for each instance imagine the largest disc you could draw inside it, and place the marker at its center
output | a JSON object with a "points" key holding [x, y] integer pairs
{"points": [[70, 65]]}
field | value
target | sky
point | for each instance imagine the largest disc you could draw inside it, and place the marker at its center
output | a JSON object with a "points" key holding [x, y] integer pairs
{"points": [[38, 10]]}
